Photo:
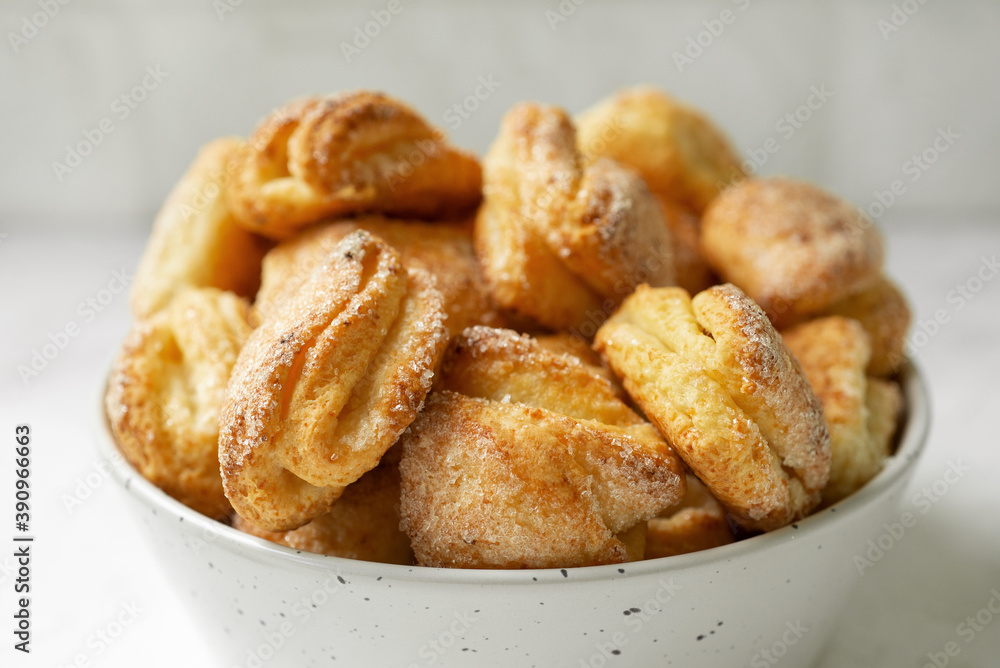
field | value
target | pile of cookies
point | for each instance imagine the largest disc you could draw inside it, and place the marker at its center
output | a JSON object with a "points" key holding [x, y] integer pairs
{"points": [[601, 343]]}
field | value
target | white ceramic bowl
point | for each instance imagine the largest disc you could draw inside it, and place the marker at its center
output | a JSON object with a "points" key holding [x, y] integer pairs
{"points": [[774, 597]]}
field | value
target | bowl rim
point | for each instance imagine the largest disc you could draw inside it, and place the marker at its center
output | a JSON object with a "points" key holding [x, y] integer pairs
{"points": [[915, 426]]}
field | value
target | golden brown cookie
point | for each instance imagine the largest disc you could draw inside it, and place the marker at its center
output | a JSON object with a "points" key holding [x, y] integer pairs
{"points": [[794, 248], [562, 241], [353, 152], [328, 382], [681, 154], [196, 242], [166, 391], [860, 412], [443, 250], [884, 313], [714, 376], [363, 523], [527, 459], [698, 522]]}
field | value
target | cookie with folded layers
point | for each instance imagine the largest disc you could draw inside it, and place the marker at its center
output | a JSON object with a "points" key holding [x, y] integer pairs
{"points": [[679, 152], [167, 389], [715, 377], [794, 248], [444, 250], [562, 240], [196, 241], [362, 524], [352, 152], [328, 382], [860, 411], [526, 459]]}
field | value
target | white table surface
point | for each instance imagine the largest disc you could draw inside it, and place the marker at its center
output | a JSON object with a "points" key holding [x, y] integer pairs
{"points": [[89, 565]]}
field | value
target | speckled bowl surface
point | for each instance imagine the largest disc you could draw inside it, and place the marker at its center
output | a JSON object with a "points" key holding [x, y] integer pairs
{"points": [[770, 598]]}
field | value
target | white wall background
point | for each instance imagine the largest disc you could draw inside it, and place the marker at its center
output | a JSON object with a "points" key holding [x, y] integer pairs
{"points": [[891, 92]]}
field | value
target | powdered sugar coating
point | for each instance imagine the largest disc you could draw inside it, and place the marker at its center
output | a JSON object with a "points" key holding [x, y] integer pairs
{"points": [[791, 246], [328, 382], [442, 249], [527, 458], [561, 239], [357, 151]]}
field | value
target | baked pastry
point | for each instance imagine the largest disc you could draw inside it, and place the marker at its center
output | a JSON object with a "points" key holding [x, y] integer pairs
{"points": [[443, 250], [196, 242], [680, 153], [714, 376], [327, 383], [363, 523], [861, 412], [166, 391], [698, 522], [526, 459], [561, 241], [353, 152], [792, 247], [683, 157], [883, 312]]}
